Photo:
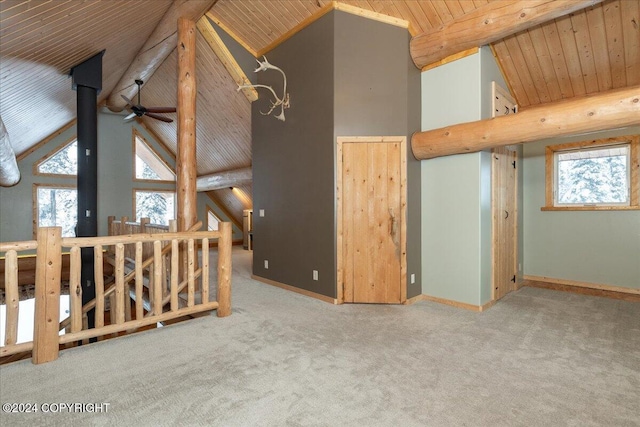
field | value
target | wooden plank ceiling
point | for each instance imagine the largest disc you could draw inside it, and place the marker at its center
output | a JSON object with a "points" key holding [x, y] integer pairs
{"points": [[593, 50], [40, 40], [590, 51]]}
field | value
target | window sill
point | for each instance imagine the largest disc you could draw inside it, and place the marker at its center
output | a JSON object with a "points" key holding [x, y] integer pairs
{"points": [[154, 181], [590, 208]]}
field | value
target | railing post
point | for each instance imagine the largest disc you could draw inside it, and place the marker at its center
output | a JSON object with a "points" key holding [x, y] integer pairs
{"points": [[123, 225], [224, 270], [12, 298], [143, 224], [110, 220], [47, 293]]}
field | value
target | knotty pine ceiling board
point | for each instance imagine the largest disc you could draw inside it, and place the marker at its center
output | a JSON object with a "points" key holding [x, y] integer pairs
{"points": [[593, 50], [40, 40], [258, 24], [223, 115]]}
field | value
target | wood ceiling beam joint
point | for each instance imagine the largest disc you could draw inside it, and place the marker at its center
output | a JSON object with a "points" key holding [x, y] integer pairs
{"points": [[487, 24]]}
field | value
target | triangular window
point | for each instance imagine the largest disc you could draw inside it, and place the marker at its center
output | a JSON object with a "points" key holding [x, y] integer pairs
{"points": [[149, 166], [212, 220], [62, 161]]}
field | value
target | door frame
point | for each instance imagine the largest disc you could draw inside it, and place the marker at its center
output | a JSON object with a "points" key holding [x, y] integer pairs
{"points": [[493, 221], [340, 141]]}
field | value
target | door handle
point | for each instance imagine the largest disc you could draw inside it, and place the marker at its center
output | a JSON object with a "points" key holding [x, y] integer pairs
{"points": [[393, 228], [507, 214]]}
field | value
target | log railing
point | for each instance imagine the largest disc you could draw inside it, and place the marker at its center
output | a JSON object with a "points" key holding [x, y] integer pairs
{"points": [[124, 226], [164, 294]]}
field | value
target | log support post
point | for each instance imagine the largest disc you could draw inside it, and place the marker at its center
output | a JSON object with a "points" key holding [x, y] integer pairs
{"points": [[186, 152], [224, 270], [47, 295], [156, 49], [186, 158]]}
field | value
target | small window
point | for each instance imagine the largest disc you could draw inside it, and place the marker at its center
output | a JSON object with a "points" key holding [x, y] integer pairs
{"points": [[148, 165], [212, 220], [57, 206], [593, 174], [62, 161], [157, 205]]}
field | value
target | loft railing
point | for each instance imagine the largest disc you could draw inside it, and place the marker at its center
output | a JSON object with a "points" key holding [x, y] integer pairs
{"points": [[166, 278], [124, 226]]}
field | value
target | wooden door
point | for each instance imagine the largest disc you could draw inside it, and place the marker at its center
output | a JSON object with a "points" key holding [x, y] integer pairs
{"points": [[372, 221], [505, 224]]}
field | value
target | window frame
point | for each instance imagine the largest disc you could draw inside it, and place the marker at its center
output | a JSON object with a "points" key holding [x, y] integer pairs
{"points": [[49, 155], [135, 134], [210, 211], [634, 171], [35, 205], [154, 190]]}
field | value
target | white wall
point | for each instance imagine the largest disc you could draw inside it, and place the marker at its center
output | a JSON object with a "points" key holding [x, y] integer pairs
{"points": [[601, 247]]}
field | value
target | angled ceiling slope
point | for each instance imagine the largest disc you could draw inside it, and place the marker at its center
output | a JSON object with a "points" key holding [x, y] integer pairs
{"points": [[589, 51], [41, 41]]}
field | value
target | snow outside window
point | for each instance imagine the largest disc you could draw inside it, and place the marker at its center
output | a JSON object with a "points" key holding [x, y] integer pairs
{"points": [[593, 176]]}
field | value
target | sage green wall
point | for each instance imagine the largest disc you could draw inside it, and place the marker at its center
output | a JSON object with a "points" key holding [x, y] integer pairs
{"points": [[456, 190], [601, 247], [115, 180]]}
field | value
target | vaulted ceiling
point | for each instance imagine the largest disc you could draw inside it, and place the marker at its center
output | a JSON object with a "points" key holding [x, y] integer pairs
{"points": [[588, 51]]}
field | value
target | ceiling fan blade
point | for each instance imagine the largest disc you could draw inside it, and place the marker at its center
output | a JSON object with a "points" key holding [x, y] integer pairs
{"points": [[128, 101], [129, 117], [157, 117], [161, 109]]}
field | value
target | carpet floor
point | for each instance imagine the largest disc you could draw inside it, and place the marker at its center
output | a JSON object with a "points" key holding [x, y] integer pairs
{"points": [[536, 358]]}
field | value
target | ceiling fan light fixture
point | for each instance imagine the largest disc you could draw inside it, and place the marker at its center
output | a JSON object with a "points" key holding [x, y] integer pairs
{"points": [[139, 110]]}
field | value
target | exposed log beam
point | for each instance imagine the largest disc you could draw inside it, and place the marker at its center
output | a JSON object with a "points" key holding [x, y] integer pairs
{"points": [[487, 24], [231, 178], [158, 46], [9, 172], [186, 158], [215, 42], [602, 111]]}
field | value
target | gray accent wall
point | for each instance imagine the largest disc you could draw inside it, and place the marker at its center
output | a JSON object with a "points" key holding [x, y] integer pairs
{"points": [[293, 165], [347, 76], [601, 247], [377, 93], [115, 180]]}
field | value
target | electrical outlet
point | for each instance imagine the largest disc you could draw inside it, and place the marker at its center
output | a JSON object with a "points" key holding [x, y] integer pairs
{"points": [[266, 264], [413, 278], [261, 212], [519, 266], [315, 274]]}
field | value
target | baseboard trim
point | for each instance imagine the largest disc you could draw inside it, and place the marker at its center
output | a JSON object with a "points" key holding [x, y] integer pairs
{"points": [[294, 289], [487, 305], [413, 300], [576, 284], [457, 304]]}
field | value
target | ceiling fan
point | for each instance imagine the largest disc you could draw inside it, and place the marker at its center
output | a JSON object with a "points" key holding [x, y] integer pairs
{"points": [[139, 110]]}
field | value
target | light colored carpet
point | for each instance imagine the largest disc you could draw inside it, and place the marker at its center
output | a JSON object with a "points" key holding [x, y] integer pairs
{"points": [[538, 357]]}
